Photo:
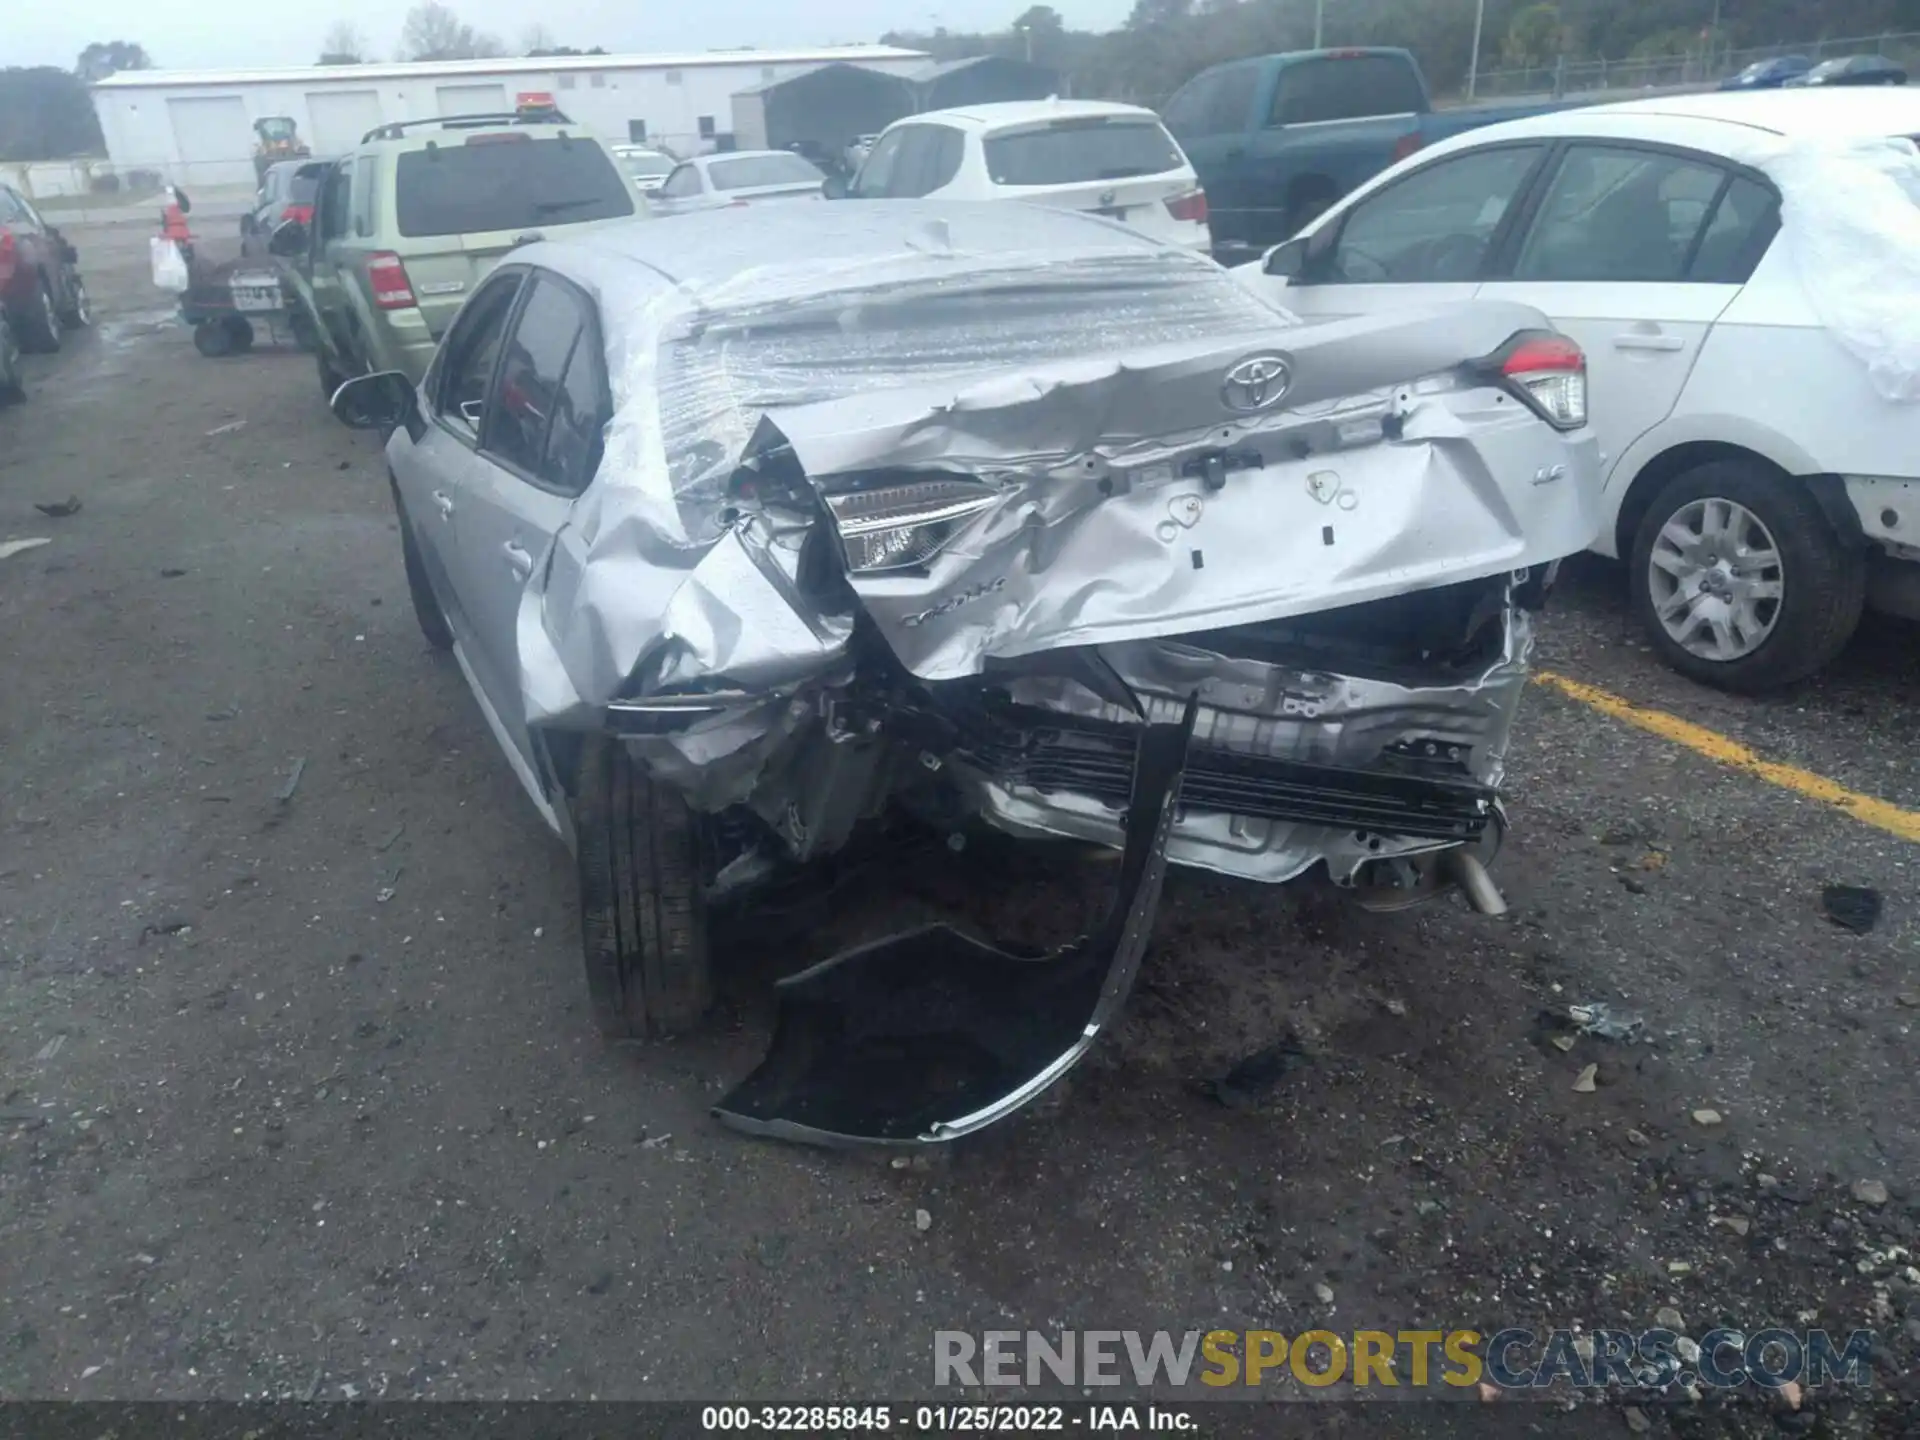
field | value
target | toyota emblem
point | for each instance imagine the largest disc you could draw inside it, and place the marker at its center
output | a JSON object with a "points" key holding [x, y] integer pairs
{"points": [[1255, 383], [1107, 197]]}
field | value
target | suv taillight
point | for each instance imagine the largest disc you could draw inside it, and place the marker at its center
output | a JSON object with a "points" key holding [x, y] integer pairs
{"points": [[1191, 207], [1407, 144], [1549, 371], [391, 289], [302, 213], [6, 254]]}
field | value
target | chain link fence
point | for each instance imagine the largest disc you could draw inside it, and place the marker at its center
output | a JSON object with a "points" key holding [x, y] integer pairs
{"points": [[1696, 68], [95, 189]]}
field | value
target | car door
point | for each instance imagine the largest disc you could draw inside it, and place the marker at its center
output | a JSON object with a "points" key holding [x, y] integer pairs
{"points": [[1425, 238], [1211, 116], [1634, 251], [436, 474], [314, 275], [541, 436]]}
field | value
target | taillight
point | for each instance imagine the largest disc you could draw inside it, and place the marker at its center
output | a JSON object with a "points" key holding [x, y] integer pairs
{"points": [[391, 290], [302, 213], [1191, 207], [1407, 144], [1549, 371], [6, 254]]}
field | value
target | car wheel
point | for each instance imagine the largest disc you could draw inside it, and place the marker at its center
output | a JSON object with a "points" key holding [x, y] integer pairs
{"points": [[426, 605], [40, 326], [78, 314], [1740, 580], [12, 383], [642, 904], [241, 333], [213, 339]]}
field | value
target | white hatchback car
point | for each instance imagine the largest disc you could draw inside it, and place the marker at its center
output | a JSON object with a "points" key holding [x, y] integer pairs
{"points": [[1115, 160], [1762, 480]]}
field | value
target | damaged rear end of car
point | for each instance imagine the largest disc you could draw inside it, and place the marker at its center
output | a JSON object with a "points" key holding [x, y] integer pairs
{"points": [[1075, 540]]}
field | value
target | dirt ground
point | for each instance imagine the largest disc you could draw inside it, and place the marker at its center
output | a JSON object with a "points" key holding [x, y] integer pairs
{"points": [[301, 1097]]}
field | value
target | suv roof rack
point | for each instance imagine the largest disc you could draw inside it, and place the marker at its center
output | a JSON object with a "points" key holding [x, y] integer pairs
{"points": [[544, 115]]}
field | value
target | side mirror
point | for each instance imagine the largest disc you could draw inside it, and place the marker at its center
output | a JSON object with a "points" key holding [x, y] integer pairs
{"points": [[377, 402], [835, 187], [1285, 262], [288, 239]]}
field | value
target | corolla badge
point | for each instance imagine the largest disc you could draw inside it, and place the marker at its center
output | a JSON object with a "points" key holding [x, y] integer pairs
{"points": [[1255, 383]]}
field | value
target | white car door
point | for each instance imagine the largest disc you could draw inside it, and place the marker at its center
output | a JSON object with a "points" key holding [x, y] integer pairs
{"points": [[1634, 252], [1421, 239]]}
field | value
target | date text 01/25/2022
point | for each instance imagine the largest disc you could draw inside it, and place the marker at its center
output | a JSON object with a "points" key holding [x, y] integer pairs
{"points": [[946, 1419]]}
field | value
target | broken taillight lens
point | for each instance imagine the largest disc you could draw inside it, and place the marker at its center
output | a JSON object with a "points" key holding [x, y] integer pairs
{"points": [[1191, 207], [388, 277], [889, 527], [1549, 371]]}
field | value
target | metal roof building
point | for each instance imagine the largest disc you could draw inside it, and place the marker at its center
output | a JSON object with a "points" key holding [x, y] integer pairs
{"points": [[830, 104], [196, 126]]}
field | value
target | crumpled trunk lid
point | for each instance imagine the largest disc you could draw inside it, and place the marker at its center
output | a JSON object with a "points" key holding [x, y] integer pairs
{"points": [[1137, 497]]}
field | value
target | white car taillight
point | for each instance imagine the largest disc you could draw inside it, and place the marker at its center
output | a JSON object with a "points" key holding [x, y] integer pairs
{"points": [[388, 277], [1552, 372], [899, 525]]}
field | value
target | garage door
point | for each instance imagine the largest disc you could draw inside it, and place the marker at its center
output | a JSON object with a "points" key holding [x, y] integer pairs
{"points": [[473, 99], [340, 118], [214, 140]]}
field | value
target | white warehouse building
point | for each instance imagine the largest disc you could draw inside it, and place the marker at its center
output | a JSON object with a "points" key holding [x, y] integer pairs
{"points": [[196, 126]]}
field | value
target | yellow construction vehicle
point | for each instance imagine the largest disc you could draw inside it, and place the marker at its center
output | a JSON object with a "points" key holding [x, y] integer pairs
{"points": [[279, 140]]}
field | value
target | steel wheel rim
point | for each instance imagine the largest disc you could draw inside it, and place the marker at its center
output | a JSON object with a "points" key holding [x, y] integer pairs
{"points": [[1716, 579], [82, 305], [51, 310]]}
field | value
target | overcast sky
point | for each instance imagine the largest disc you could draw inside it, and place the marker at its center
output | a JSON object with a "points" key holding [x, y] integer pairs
{"points": [[250, 33]]}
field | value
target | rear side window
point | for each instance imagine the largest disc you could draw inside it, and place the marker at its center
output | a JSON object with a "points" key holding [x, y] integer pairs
{"points": [[550, 405], [1742, 227], [514, 182], [919, 159], [1346, 89], [1073, 150], [1214, 104], [304, 187], [1620, 215], [754, 170]]}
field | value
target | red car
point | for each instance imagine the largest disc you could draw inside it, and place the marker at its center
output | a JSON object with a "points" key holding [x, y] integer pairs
{"points": [[40, 284]]}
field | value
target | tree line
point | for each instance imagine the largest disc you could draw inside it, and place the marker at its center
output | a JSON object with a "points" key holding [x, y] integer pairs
{"points": [[1164, 43]]}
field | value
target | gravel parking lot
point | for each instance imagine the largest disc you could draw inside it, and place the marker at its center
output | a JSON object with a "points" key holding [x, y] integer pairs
{"points": [[301, 1096]]}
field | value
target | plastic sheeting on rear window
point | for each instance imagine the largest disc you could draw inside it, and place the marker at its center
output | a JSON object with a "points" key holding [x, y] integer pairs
{"points": [[1850, 217], [774, 342]]}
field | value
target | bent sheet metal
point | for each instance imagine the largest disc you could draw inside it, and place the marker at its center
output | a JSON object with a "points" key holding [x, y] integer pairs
{"points": [[933, 1034]]}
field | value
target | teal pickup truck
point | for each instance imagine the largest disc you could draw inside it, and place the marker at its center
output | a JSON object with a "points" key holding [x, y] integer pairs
{"points": [[1275, 139]]}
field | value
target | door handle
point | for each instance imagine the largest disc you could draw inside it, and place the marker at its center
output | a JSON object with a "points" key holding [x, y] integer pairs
{"points": [[518, 560], [443, 502], [1634, 341]]}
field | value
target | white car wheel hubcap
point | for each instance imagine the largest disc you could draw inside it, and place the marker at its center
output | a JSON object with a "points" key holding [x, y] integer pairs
{"points": [[1716, 579]]}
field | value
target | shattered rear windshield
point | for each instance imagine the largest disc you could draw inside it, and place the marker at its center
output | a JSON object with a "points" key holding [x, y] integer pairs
{"points": [[732, 364]]}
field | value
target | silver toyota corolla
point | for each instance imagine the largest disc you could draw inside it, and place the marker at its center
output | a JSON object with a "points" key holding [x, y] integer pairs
{"points": [[748, 536]]}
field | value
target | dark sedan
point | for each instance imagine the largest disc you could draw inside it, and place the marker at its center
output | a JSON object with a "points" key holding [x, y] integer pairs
{"points": [[1854, 70], [1768, 74], [40, 285]]}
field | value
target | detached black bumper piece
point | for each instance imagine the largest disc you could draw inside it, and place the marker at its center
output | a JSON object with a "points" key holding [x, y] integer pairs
{"points": [[928, 1036]]}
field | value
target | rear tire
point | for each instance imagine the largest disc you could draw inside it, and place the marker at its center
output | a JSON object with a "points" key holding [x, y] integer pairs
{"points": [[643, 916], [40, 328], [241, 333], [426, 605], [78, 314], [1822, 582], [213, 339], [12, 383]]}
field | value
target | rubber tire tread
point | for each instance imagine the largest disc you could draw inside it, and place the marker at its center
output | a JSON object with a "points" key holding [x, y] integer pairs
{"points": [[642, 914]]}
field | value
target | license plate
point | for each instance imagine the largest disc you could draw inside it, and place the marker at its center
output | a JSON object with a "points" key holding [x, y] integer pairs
{"points": [[262, 294]]}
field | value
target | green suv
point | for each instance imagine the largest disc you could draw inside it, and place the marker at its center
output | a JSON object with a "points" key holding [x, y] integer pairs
{"points": [[408, 222]]}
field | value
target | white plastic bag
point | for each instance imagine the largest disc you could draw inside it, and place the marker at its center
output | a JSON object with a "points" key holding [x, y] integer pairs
{"points": [[169, 265]]}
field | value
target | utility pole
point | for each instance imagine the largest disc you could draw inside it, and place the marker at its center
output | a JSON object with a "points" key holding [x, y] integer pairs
{"points": [[1473, 65], [1319, 22]]}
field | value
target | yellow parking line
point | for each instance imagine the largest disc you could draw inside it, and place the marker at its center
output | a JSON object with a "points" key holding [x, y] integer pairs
{"points": [[1715, 746]]}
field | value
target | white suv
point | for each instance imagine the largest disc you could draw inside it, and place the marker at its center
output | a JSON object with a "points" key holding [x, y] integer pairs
{"points": [[1115, 160], [1762, 476]]}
